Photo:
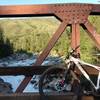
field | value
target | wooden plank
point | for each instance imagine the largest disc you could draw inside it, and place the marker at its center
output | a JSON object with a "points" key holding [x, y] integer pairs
{"points": [[25, 70], [87, 98], [35, 96], [36, 70]]}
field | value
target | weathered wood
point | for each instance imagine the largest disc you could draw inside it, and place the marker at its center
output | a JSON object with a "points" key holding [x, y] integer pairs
{"points": [[25, 70], [87, 98], [35, 96], [36, 70]]}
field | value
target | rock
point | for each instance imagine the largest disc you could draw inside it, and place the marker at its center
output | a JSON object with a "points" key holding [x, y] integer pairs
{"points": [[1, 80], [19, 59], [4, 64], [5, 87], [20, 56], [35, 81]]}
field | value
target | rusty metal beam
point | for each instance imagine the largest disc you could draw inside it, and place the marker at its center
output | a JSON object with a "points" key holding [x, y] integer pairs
{"points": [[51, 43], [74, 14], [75, 36], [92, 33], [44, 54], [43, 9], [25, 70], [25, 9], [68, 13]]}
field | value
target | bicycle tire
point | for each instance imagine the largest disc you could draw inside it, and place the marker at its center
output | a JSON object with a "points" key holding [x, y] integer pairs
{"points": [[51, 69]]}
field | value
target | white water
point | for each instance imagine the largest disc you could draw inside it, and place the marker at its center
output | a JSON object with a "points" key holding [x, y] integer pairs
{"points": [[16, 80]]}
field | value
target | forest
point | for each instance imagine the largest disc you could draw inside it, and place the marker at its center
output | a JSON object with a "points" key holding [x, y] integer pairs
{"points": [[31, 35]]}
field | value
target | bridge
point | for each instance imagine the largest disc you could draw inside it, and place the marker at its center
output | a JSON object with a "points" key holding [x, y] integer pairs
{"points": [[69, 14]]}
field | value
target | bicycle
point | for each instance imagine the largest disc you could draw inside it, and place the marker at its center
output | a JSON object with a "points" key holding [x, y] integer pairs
{"points": [[65, 79]]}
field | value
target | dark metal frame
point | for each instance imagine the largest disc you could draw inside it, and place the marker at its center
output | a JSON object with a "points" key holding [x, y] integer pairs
{"points": [[69, 14]]}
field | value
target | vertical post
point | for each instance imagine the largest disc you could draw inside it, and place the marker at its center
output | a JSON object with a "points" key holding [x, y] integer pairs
{"points": [[75, 36]]}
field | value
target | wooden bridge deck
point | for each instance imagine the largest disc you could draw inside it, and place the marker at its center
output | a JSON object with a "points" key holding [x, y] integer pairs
{"points": [[36, 96], [37, 70]]}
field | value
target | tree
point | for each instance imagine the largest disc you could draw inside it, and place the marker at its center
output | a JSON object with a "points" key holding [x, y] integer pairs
{"points": [[6, 48]]}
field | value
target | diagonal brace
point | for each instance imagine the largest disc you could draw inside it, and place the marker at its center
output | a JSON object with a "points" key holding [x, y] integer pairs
{"points": [[44, 54], [92, 33]]}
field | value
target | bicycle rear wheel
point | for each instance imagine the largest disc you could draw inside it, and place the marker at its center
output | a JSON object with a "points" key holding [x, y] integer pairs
{"points": [[52, 81]]}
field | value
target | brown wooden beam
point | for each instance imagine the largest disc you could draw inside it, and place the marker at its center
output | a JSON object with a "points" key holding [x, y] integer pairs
{"points": [[36, 70], [25, 70], [36, 96]]}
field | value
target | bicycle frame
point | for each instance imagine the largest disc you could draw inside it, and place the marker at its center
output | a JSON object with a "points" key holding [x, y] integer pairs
{"points": [[79, 64]]}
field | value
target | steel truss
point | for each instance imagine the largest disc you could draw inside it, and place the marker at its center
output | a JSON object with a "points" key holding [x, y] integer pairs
{"points": [[69, 14]]}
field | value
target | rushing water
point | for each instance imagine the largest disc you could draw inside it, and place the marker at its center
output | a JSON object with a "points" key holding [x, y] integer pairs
{"points": [[24, 60]]}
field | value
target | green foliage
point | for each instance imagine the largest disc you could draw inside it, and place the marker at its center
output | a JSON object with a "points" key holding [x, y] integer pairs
{"points": [[32, 35], [6, 48], [21, 51]]}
